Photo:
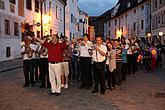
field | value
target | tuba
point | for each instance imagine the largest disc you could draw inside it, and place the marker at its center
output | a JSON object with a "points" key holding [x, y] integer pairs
{"points": [[29, 51]]}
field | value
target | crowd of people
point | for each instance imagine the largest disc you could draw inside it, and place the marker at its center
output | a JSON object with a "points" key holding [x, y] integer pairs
{"points": [[97, 64]]}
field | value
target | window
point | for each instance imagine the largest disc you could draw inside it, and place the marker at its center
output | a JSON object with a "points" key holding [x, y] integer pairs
{"points": [[50, 8], [155, 4], [45, 7], [160, 2], [37, 6], [115, 21], [109, 32], [109, 24], [7, 27], [12, 1], [134, 26], [57, 12], [8, 51], [134, 11], [2, 5], [29, 4], [142, 24], [12, 8], [71, 18], [159, 19], [16, 31], [61, 14], [115, 32], [142, 7]]}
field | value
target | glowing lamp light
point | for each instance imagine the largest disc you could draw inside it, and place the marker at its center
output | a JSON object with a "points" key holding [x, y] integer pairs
{"points": [[119, 33], [149, 35], [161, 33], [46, 19]]}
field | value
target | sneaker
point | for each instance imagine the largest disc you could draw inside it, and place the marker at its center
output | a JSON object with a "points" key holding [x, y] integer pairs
{"points": [[66, 86], [62, 86]]}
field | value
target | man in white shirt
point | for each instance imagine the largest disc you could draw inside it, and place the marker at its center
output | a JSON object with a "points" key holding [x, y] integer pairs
{"points": [[85, 63], [99, 56], [27, 53]]}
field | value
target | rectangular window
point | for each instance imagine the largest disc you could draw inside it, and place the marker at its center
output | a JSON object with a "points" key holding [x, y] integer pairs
{"points": [[160, 2], [142, 7], [109, 24], [50, 8], [7, 27], [71, 18], [29, 4], [109, 32], [142, 24], [16, 31], [115, 21], [134, 11], [122, 29], [60, 14], [8, 51], [155, 4], [2, 5], [45, 7], [134, 26], [37, 6], [12, 8], [57, 12], [12, 1], [115, 32]]}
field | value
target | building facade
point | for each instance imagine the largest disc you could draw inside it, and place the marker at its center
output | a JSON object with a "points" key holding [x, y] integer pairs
{"points": [[10, 29], [158, 18], [15, 13], [71, 19], [129, 19], [83, 23]]}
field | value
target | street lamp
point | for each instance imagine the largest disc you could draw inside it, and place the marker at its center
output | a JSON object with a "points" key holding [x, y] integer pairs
{"points": [[148, 36], [160, 36]]}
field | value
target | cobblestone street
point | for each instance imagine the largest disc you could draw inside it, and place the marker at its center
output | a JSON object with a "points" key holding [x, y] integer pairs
{"points": [[138, 93]]}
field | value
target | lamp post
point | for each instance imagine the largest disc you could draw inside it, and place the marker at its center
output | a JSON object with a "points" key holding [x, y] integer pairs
{"points": [[41, 4]]}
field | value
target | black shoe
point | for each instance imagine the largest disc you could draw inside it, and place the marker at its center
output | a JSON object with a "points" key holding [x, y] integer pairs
{"points": [[52, 93], [57, 94], [25, 85], [94, 91]]}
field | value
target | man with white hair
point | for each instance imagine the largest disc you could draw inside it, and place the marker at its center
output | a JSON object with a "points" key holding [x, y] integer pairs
{"points": [[55, 57]]}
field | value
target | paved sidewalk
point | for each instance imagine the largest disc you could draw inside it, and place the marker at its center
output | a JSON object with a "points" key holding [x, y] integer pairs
{"points": [[10, 64]]}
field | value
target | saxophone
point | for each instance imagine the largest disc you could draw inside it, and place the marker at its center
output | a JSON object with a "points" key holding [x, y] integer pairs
{"points": [[44, 51], [29, 51]]}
